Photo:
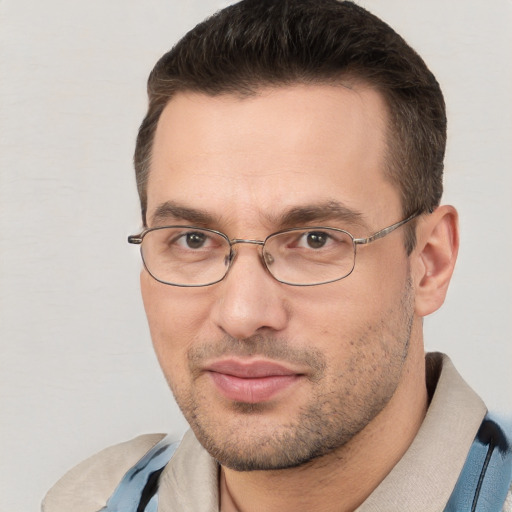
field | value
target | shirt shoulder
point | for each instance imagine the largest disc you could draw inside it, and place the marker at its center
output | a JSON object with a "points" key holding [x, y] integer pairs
{"points": [[88, 486]]}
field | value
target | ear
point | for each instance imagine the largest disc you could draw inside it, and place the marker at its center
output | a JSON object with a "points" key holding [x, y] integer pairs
{"points": [[433, 258]]}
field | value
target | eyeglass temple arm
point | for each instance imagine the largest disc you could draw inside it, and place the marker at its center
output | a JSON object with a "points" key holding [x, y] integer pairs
{"points": [[383, 232]]}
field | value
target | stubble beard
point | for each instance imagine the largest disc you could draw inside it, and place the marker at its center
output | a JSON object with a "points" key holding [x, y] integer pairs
{"points": [[334, 414]]}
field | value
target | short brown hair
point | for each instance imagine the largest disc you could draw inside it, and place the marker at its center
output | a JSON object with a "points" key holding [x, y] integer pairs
{"points": [[258, 43]]}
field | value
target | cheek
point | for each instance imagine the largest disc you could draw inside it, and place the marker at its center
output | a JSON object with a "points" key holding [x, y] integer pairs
{"points": [[342, 314], [334, 309], [382, 278], [176, 318]]}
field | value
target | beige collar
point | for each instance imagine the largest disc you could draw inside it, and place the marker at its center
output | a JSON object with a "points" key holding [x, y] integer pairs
{"points": [[424, 478]]}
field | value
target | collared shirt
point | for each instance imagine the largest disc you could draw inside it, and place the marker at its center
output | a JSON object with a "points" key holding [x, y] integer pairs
{"points": [[421, 481]]}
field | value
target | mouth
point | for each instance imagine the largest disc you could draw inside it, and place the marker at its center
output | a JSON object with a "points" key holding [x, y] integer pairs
{"points": [[251, 382]]}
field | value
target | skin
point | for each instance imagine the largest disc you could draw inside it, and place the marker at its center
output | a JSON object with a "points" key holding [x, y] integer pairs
{"points": [[355, 345]]}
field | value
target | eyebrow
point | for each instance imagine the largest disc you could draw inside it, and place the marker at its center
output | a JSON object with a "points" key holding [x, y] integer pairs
{"points": [[171, 211], [328, 211]]}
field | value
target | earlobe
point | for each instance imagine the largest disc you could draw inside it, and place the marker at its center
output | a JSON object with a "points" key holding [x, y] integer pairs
{"points": [[434, 258]]}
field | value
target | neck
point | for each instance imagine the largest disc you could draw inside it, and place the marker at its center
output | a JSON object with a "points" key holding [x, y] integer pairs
{"points": [[343, 479]]}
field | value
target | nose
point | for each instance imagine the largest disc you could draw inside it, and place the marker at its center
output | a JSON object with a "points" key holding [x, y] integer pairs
{"points": [[249, 299]]}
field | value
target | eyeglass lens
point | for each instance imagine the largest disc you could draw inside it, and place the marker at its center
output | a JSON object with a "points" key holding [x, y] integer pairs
{"points": [[196, 257]]}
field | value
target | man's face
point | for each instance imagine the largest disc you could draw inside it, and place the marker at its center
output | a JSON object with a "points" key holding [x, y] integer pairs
{"points": [[270, 375]]}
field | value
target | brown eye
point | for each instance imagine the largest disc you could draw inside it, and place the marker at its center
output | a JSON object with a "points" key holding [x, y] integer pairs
{"points": [[195, 240], [316, 239]]}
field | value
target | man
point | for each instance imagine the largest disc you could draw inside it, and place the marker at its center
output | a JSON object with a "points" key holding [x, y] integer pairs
{"points": [[290, 175]]}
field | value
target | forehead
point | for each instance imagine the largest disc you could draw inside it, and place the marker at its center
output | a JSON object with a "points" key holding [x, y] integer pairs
{"points": [[279, 149]]}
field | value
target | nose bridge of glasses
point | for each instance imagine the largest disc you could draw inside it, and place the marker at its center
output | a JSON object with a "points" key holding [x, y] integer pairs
{"points": [[236, 241]]}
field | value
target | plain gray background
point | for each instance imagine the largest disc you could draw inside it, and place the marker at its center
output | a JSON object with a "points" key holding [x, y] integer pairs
{"points": [[76, 365]]}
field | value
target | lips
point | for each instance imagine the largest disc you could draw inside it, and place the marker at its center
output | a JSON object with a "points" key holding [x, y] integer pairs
{"points": [[251, 382]]}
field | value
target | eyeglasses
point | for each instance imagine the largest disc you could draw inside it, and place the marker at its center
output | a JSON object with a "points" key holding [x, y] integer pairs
{"points": [[190, 256]]}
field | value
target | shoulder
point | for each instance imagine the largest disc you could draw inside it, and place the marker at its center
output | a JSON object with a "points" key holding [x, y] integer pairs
{"points": [[87, 487]]}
